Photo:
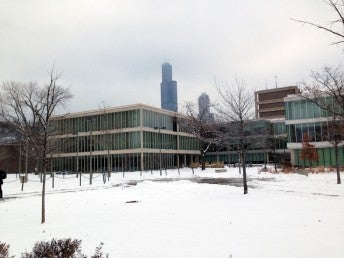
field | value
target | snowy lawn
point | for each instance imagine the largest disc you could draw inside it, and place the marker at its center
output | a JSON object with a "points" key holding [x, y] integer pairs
{"points": [[283, 215]]}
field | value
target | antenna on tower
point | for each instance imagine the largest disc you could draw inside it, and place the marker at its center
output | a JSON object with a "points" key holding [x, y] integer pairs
{"points": [[276, 81]]}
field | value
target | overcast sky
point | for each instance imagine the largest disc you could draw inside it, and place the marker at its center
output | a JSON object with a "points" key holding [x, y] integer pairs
{"points": [[111, 50]]}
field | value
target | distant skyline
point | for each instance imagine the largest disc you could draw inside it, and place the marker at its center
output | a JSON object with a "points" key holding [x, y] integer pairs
{"points": [[204, 105], [111, 51], [168, 89]]}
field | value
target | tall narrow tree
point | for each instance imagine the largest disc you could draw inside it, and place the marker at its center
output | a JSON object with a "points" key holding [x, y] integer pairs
{"points": [[30, 108], [336, 137], [326, 90], [235, 108], [197, 125]]}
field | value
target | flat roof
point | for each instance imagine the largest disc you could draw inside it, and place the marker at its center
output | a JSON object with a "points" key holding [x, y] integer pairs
{"points": [[116, 109], [277, 89]]}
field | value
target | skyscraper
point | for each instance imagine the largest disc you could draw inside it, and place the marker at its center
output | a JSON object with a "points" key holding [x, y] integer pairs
{"points": [[204, 109], [168, 89]]}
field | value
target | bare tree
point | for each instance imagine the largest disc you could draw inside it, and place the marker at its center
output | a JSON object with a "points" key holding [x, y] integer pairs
{"points": [[235, 108], [30, 108], [336, 26], [15, 112], [262, 137], [326, 90], [227, 141], [336, 137], [197, 124], [274, 142]]}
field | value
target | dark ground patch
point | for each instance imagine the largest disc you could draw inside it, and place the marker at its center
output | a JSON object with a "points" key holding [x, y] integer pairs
{"points": [[235, 181], [134, 201], [238, 182]]}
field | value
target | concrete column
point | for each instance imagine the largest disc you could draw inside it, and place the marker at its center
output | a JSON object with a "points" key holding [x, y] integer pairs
{"points": [[141, 162], [292, 157]]}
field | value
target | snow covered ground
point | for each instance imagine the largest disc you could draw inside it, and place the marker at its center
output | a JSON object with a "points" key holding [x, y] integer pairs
{"points": [[283, 215]]}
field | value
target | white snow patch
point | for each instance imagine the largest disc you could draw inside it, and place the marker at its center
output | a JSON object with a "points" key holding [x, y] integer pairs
{"points": [[283, 215]]}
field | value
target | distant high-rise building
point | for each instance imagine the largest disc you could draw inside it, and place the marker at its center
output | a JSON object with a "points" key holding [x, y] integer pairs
{"points": [[168, 89], [204, 109]]}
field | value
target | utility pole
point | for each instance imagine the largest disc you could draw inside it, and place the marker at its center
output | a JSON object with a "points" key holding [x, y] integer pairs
{"points": [[77, 157], [20, 159], [26, 163]]}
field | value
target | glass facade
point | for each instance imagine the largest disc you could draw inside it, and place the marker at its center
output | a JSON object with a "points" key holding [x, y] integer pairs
{"points": [[326, 157], [120, 140], [279, 128], [305, 109], [99, 122], [154, 119], [316, 131], [264, 139], [305, 117]]}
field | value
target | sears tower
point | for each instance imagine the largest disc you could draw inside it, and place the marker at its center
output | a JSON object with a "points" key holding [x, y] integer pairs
{"points": [[168, 89]]}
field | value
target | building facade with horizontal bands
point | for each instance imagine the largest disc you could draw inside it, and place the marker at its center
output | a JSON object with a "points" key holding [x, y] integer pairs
{"points": [[269, 103], [305, 117], [127, 138]]}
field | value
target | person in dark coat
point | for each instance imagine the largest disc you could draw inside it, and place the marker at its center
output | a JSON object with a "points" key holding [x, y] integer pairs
{"points": [[2, 177]]}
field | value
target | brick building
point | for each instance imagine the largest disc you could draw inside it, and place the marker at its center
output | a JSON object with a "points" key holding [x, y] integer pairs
{"points": [[9, 157], [270, 103]]}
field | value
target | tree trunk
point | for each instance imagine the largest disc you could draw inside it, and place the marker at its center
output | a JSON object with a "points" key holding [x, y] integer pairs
{"points": [[26, 164], [203, 160], [239, 163], [275, 160], [43, 197], [43, 167], [337, 163], [243, 158], [108, 165], [265, 160]]}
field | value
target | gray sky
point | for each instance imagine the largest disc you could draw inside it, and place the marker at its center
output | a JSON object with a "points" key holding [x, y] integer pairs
{"points": [[111, 51]]}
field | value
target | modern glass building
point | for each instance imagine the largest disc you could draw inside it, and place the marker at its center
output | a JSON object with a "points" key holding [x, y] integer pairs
{"points": [[128, 138], [304, 117], [269, 103], [266, 141], [168, 89]]}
